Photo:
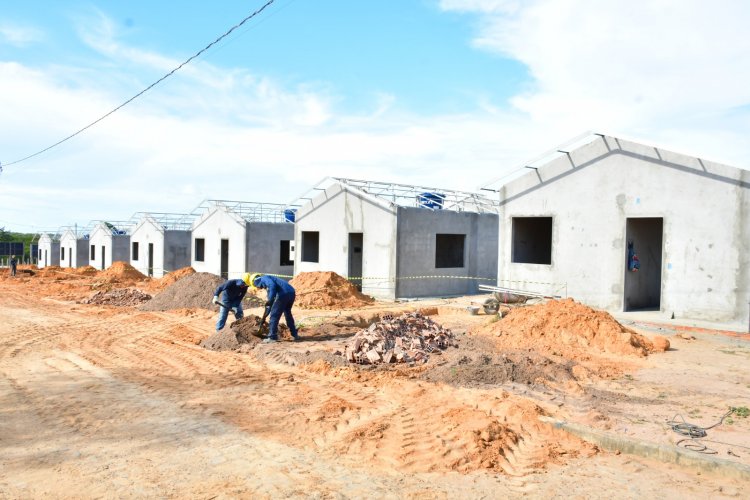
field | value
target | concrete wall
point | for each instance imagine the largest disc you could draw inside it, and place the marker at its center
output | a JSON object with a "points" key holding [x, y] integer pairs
{"points": [[264, 247], [76, 250], [213, 226], [176, 250], [590, 194], [417, 230], [334, 214], [116, 247], [49, 251]]}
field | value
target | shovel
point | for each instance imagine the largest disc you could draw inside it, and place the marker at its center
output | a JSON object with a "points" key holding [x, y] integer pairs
{"points": [[222, 304], [266, 312]]}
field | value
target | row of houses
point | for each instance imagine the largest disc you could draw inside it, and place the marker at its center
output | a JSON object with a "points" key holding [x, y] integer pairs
{"points": [[614, 223]]}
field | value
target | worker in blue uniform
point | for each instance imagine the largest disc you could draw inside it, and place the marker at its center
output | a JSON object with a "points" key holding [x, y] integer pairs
{"points": [[280, 299], [234, 291]]}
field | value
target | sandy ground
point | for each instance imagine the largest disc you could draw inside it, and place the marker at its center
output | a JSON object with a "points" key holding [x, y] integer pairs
{"points": [[103, 401]]}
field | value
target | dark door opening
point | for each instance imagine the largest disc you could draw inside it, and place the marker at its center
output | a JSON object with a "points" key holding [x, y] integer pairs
{"points": [[70, 257], [225, 259], [104, 256], [45, 258], [355, 259], [150, 259], [642, 290]]}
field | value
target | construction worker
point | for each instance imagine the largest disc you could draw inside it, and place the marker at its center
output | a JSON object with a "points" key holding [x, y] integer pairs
{"points": [[279, 299], [234, 292], [13, 263]]}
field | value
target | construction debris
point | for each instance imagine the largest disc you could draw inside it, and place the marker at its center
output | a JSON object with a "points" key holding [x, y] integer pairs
{"points": [[410, 338]]}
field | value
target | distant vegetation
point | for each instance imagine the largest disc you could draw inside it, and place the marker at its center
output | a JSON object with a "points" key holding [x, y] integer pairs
{"points": [[26, 238]]}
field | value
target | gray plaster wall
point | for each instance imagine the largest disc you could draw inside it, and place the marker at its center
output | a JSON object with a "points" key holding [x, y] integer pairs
{"points": [[49, 252], [264, 247], [417, 232], [590, 193], [337, 212]]}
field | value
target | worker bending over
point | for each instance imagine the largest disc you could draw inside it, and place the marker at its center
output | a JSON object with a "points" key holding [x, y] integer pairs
{"points": [[280, 299], [234, 292]]}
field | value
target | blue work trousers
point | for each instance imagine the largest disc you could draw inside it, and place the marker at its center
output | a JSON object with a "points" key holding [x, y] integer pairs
{"points": [[282, 304], [224, 312]]}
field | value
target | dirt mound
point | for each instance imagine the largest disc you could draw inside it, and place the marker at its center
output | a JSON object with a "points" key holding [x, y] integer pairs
{"points": [[85, 271], [242, 335], [125, 297], [195, 290], [409, 338], [170, 278], [569, 329], [327, 290], [122, 270]]}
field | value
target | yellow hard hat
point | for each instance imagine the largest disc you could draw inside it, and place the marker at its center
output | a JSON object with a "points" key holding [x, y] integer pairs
{"points": [[250, 278]]}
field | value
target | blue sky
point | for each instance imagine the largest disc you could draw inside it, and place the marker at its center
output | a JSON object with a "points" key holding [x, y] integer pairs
{"points": [[447, 93]]}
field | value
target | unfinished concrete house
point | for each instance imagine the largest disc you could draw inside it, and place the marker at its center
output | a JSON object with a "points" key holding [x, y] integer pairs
{"points": [[49, 250], [109, 242], [398, 241], [628, 227], [160, 242], [74, 247], [230, 238]]}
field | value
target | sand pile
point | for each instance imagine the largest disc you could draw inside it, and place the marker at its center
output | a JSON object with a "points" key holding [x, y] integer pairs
{"points": [[569, 329], [124, 297], [409, 338], [166, 280], [122, 271], [194, 290], [327, 290]]}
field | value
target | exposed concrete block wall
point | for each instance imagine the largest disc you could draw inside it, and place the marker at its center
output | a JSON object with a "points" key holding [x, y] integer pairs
{"points": [[212, 227], [263, 241], [116, 247], [590, 194], [49, 251], [417, 232], [335, 214], [176, 253], [76, 250]]}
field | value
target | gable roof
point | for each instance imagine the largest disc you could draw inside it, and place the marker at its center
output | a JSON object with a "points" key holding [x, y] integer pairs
{"points": [[163, 221], [583, 151], [391, 195]]}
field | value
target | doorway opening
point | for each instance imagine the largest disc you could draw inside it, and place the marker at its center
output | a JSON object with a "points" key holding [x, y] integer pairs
{"points": [[225, 259], [355, 259], [104, 255], [643, 263], [150, 259]]}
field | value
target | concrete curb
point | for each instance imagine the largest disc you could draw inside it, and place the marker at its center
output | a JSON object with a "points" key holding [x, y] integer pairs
{"points": [[664, 453]]}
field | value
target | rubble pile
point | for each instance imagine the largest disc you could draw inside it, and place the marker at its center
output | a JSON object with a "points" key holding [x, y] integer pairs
{"points": [[124, 297], [410, 338]]}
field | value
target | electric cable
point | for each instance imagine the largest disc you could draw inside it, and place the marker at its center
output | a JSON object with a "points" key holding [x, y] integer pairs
{"points": [[188, 60], [695, 432]]}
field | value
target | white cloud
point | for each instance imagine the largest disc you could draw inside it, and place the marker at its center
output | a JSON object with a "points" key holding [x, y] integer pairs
{"points": [[19, 36], [653, 69]]}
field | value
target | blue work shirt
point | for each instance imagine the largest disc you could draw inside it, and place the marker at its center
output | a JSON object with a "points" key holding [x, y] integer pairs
{"points": [[234, 290], [275, 287]]}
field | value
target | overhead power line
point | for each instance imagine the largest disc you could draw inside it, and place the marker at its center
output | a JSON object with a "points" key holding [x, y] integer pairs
{"points": [[197, 54]]}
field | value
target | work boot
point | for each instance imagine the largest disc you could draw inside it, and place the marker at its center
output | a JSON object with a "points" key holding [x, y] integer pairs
{"points": [[269, 340], [295, 338]]}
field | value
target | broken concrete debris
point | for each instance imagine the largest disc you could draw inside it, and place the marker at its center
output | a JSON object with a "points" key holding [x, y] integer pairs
{"points": [[410, 338]]}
